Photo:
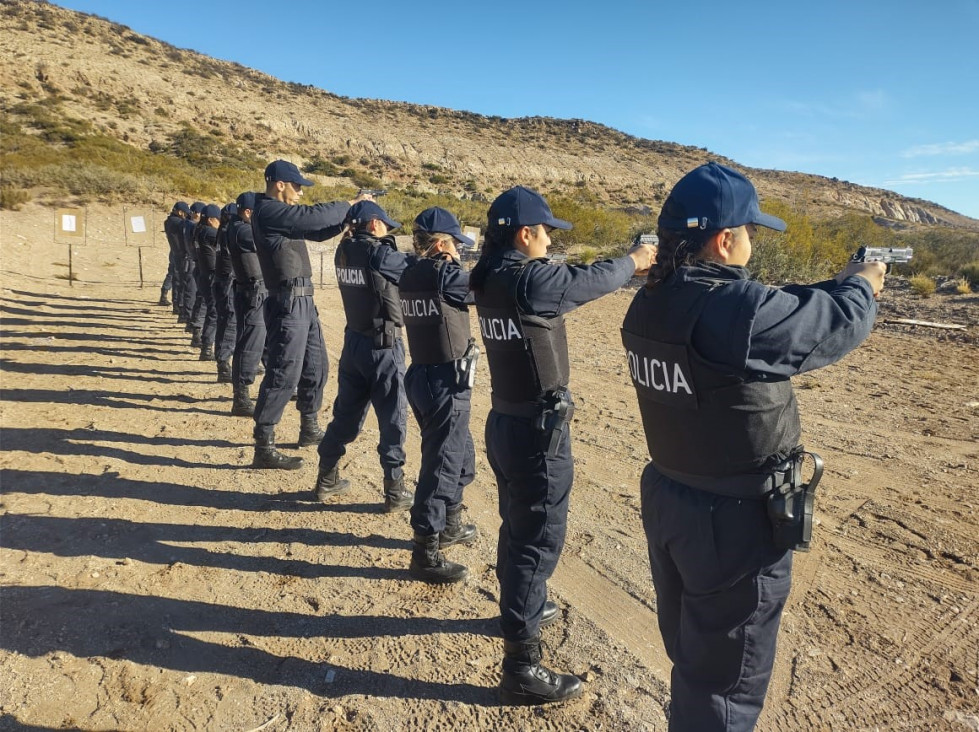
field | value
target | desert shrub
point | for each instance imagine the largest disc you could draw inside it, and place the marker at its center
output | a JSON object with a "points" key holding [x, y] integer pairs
{"points": [[922, 285], [970, 273], [962, 287], [586, 255], [319, 166], [13, 198]]}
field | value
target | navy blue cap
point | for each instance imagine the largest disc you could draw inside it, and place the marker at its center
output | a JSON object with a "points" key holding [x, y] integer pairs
{"points": [[211, 211], [364, 211], [181, 206], [286, 172], [197, 206], [714, 197], [522, 206], [437, 220], [230, 209], [246, 200]]}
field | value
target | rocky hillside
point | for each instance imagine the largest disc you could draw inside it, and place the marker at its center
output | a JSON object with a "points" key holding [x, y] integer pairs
{"points": [[143, 91]]}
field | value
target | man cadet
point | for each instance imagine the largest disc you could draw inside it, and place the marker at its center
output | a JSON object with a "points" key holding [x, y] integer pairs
{"points": [[249, 304], [711, 352], [372, 363], [206, 238], [434, 299], [521, 300], [172, 226], [192, 301], [224, 336], [296, 351]]}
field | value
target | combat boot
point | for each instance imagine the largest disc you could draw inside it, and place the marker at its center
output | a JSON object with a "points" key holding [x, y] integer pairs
{"points": [[242, 406], [224, 372], [527, 681], [207, 352], [396, 498], [329, 483], [429, 565], [456, 532], [309, 430], [164, 300], [267, 457], [195, 338]]}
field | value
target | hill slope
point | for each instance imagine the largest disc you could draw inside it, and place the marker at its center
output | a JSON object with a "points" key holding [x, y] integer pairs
{"points": [[143, 91]]}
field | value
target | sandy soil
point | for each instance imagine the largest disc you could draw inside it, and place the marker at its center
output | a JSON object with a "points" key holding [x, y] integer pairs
{"points": [[151, 580]]}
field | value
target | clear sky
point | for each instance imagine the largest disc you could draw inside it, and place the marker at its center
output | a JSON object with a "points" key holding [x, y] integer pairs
{"points": [[883, 93]]}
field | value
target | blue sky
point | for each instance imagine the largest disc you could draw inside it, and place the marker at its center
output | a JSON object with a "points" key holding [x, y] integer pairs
{"points": [[883, 93]]}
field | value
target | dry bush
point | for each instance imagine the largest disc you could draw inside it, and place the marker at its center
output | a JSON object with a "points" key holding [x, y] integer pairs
{"points": [[922, 285]]}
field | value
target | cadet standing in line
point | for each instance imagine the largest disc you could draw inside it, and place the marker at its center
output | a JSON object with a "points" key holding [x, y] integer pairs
{"points": [[206, 237], [192, 301], [172, 227], [521, 300], [296, 351], [711, 352], [372, 363], [224, 336], [434, 299], [250, 295]]}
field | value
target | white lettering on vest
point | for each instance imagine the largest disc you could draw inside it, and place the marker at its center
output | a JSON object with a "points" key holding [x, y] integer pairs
{"points": [[420, 308], [350, 276], [646, 372], [498, 329]]}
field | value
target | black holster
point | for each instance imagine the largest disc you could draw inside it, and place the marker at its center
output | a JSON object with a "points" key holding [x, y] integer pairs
{"points": [[558, 409], [385, 333], [466, 366], [790, 505]]}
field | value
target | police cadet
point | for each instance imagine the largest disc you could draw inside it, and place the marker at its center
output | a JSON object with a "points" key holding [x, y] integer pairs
{"points": [[224, 336], [192, 300], [296, 351], [434, 299], [206, 238], [710, 352], [249, 304], [521, 300], [372, 363], [172, 227]]}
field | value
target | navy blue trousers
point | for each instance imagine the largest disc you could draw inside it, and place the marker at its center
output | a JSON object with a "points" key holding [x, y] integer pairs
{"points": [[224, 306], [207, 315], [296, 357], [168, 280], [369, 376], [534, 495], [250, 332], [448, 462], [721, 586], [189, 301]]}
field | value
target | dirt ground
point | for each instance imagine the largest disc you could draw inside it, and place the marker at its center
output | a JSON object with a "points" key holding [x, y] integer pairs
{"points": [[151, 580]]}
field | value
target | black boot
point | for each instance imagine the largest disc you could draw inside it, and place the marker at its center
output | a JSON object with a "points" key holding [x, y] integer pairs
{"points": [[428, 564], [164, 300], [242, 406], [396, 498], [207, 352], [195, 338], [550, 614], [224, 372], [527, 681], [329, 483], [455, 531], [267, 457], [309, 430]]}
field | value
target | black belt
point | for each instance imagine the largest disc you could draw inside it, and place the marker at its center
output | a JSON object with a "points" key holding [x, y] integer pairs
{"points": [[527, 410], [301, 290], [746, 485]]}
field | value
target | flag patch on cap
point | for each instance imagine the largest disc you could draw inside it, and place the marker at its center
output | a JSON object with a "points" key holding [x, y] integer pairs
{"points": [[693, 223]]}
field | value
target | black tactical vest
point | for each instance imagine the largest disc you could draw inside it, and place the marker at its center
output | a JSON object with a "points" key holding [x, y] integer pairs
{"points": [[369, 300], [223, 267], [527, 354], [172, 227], [189, 231], [207, 249], [701, 421], [437, 331], [244, 262], [281, 259]]}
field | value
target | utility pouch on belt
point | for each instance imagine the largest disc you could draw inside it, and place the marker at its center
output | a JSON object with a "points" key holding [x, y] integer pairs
{"points": [[557, 411], [466, 366], [385, 331], [790, 505]]}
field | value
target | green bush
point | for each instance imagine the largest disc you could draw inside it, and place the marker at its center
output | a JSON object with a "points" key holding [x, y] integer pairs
{"points": [[970, 273], [13, 198], [922, 285]]}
